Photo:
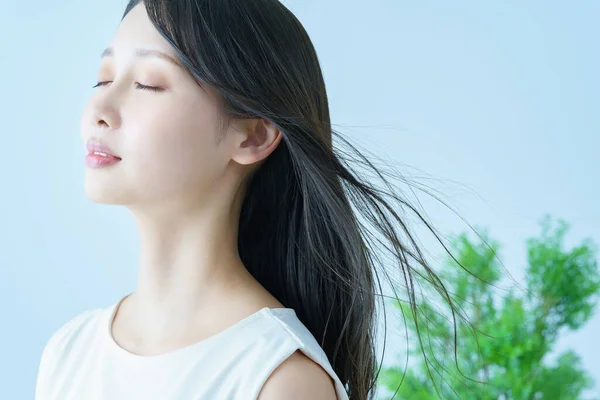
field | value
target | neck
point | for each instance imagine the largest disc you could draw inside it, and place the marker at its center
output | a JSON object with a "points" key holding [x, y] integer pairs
{"points": [[188, 263]]}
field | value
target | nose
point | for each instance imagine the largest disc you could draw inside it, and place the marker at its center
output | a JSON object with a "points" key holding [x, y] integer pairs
{"points": [[103, 111], [105, 117], [102, 115]]}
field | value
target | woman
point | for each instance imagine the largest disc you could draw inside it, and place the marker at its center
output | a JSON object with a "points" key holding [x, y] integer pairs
{"points": [[210, 122]]}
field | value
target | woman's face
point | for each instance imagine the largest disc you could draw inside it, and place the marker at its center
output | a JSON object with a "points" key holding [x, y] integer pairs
{"points": [[166, 139]]}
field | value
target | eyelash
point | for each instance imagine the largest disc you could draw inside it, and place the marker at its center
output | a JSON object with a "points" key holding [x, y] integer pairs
{"points": [[140, 86]]}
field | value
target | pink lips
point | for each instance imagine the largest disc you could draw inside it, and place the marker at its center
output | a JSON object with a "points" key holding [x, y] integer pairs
{"points": [[93, 146], [100, 155]]}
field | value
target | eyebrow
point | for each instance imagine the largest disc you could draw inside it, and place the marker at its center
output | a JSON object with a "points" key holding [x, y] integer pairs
{"points": [[145, 53]]}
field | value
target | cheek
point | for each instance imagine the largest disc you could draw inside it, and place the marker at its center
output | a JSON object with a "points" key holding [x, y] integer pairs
{"points": [[173, 151]]}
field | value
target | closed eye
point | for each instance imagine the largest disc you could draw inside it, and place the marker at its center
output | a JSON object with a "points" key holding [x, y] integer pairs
{"points": [[139, 86]]}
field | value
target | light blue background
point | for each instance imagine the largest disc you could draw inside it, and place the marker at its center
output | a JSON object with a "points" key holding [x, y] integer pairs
{"points": [[501, 97]]}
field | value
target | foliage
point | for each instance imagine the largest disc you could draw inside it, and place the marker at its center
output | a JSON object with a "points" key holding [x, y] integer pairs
{"points": [[502, 345]]}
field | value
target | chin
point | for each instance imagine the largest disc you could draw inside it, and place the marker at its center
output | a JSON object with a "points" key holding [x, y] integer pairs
{"points": [[104, 191], [102, 197]]}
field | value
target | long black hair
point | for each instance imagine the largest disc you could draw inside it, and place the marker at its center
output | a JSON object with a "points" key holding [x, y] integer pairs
{"points": [[309, 226]]}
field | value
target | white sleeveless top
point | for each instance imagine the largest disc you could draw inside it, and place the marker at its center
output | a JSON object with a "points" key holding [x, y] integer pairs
{"points": [[81, 360]]}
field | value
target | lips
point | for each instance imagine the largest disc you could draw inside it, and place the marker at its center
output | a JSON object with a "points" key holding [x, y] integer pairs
{"points": [[95, 147]]}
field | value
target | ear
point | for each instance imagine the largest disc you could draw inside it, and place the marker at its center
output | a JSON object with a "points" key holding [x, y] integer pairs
{"points": [[258, 138]]}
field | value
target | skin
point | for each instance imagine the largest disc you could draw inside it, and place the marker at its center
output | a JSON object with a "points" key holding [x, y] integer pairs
{"points": [[182, 187]]}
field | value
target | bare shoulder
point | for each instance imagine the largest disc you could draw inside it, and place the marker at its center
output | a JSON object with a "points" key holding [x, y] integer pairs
{"points": [[298, 377]]}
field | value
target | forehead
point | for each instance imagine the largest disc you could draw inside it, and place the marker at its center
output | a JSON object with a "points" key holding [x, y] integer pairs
{"points": [[136, 30]]}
